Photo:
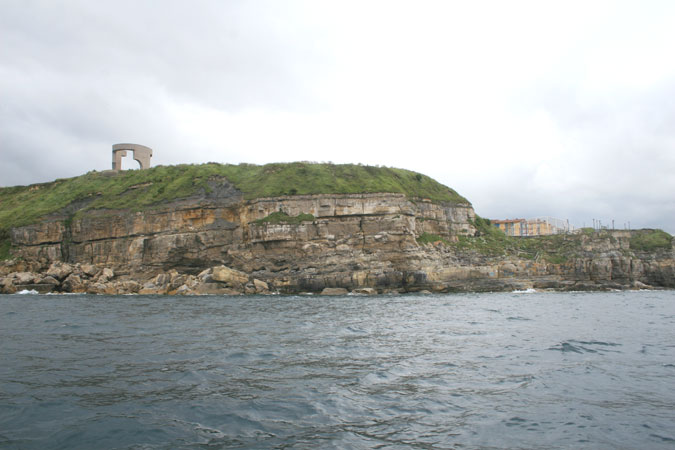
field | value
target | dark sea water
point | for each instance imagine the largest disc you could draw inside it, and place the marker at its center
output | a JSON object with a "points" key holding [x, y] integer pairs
{"points": [[515, 370]]}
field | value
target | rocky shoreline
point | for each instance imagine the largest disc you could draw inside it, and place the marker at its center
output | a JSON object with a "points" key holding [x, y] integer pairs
{"points": [[63, 278]]}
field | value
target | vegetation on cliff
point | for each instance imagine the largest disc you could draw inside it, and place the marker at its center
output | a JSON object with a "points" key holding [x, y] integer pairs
{"points": [[4, 245], [650, 240], [557, 249], [141, 189]]}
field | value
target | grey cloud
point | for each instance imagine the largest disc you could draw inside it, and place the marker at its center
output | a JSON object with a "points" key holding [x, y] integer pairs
{"points": [[78, 76], [618, 163]]}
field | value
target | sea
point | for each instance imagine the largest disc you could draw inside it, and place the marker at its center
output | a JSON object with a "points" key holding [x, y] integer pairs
{"points": [[518, 370]]}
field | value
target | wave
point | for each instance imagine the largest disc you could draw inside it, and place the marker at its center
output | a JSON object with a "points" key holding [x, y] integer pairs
{"points": [[27, 291]]}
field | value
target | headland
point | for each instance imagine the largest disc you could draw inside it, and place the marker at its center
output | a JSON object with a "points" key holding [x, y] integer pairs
{"points": [[294, 228]]}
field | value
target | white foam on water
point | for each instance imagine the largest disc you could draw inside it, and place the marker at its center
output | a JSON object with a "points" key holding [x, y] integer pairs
{"points": [[27, 291]]}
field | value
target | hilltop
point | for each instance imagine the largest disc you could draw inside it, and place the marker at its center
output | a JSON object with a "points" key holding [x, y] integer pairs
{"points": [[139, 190]]}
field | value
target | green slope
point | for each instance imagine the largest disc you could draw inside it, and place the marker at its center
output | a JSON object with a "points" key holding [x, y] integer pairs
{"points": [[142, 189]]}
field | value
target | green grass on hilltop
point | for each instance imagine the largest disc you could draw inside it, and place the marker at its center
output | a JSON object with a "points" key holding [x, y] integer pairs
{"points": [[651, 240], [142, 189], [272, 180]]}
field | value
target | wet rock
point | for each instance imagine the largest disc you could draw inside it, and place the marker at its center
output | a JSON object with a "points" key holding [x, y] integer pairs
{"points": [[214, 289], [96, 288], [365, 291], [8, 288], [334, 291], [127, 287], [39, 288], [249, 288], [641, 285]]}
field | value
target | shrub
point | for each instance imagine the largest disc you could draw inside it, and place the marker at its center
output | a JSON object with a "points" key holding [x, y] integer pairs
{"points": [[428, 238]]}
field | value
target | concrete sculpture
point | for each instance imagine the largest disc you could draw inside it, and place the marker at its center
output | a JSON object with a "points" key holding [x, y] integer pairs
{"points": [[142, 154]]}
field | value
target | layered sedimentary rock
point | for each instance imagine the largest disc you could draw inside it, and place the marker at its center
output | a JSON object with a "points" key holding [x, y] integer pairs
{"points": [[352, 241]]}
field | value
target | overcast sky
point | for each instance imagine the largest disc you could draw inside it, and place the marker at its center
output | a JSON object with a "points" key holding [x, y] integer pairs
{"points": [[563, 109]]}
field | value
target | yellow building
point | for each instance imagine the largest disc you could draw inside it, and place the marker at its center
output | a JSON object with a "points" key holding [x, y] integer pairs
{"points": [[511, 227], [540, 226]]}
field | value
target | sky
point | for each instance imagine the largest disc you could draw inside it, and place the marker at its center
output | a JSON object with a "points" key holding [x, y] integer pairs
{"points": [[541, 108]]}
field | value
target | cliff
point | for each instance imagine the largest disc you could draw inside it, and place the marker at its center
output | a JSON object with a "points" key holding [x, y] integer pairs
{"points": [[223, 233]]}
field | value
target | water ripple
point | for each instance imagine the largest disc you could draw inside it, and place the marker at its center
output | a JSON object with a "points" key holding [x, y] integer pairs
{"points": [[543, 370]]}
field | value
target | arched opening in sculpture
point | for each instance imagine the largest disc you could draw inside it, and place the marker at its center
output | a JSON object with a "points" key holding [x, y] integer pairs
{"points": [[141, 153]]}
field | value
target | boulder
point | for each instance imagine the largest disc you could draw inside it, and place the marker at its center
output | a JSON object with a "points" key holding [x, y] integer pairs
{"points": [[73, 283], [334, 291], [24, 277], [226, 275], [260, 286], [183, 290], [249, 288], [7, 285], [641, 285], [49, 280], [161, 279], [59, 270], [177, 281], [106, 275], [96, 288], [88, 269], [127, 287], [365, 291], [204, 274]]}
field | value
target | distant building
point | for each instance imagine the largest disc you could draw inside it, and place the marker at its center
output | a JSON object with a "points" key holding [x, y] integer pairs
{"points": [[511, 227], [540, 226]]}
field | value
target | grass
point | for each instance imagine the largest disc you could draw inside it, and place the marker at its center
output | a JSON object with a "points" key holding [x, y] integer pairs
{"points": [[492, 242], [5, 246], [428, 238], [142, 189], [651, 240], [557, 248], [282, 217], [300, 178]]}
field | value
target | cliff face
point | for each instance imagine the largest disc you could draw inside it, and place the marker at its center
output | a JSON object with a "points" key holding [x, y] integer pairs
{"points": [[352, 241]]}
